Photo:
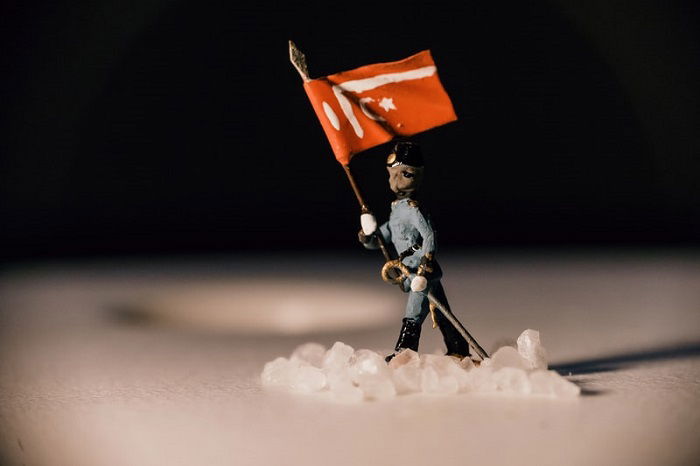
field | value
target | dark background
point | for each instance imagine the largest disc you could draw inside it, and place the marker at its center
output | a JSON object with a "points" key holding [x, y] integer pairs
{"points": [[164, 126]]}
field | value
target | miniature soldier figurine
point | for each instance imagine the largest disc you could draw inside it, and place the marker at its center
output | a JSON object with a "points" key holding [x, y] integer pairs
{"points": [[411, 233]]}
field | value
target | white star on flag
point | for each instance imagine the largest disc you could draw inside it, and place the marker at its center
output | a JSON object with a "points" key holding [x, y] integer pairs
{"points": [[387, 104]]}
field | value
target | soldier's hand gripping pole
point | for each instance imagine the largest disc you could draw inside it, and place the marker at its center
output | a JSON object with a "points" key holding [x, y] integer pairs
{"points": [[365, 210]]}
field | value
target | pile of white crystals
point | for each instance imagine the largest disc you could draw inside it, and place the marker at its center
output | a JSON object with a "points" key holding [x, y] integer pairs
{"points": [[346, 375]]}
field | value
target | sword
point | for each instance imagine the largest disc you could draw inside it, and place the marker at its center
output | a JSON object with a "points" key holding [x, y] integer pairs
{"points": [[457, 324]]}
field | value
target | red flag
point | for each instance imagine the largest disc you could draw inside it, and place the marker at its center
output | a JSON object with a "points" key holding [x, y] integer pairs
{"points": [[371, 105]]}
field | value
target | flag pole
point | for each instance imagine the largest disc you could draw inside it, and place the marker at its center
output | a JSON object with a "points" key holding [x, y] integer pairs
{"points": [[365, 210], [298, 59], [356, 189]]}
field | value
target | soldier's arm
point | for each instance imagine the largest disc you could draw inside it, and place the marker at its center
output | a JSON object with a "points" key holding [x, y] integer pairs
{"points": [[370, 241], [428, 235]]}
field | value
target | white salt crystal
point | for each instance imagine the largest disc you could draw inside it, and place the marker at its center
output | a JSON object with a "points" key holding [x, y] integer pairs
{"points": [[338, 357], [449, 385], [296, 375], [429, 380], [541, 383], [407, 378], [278, 373], [406, 371], [371, 374], [312, 353], [376, 387], [442, 364], [507, 356], [338, 379], [405, 357], [452, 366], [531, 349], [466, 364], [434, 384], [511, 380], [479, 380], [549, 383], [564, 388], [368, 362], [308, 379]]}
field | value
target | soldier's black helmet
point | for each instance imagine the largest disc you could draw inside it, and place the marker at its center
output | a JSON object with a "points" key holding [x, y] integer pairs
{"points": [[405, 153]]}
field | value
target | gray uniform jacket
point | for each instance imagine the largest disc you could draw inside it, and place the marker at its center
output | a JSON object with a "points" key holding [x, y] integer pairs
{"points": [[408, 227]]}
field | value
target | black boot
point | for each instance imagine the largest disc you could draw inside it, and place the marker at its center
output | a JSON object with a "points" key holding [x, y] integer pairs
{"points": [[454, 342], [408, 338]]}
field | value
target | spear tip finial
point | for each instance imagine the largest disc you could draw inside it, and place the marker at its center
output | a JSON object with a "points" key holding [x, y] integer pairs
{"points": [[298, 59]]}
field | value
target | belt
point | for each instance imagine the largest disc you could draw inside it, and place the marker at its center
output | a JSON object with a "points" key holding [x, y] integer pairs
{"points": [[410, 251]]}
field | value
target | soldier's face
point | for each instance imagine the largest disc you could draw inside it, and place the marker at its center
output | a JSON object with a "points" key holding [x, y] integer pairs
{"points": [[404, 180]]}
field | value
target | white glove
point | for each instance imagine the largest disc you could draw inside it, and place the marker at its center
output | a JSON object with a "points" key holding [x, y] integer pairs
{"points": [[369, 224], [418, 283]]}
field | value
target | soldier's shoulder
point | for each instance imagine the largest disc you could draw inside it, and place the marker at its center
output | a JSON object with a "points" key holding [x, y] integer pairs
{"points": [[416, 207]]}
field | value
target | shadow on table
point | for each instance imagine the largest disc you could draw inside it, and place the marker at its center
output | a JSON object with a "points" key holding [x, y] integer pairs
{"points": [[621, 361]]}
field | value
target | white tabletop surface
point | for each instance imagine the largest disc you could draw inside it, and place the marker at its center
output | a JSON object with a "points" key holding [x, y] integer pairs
{"points": [[158, 362]]}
